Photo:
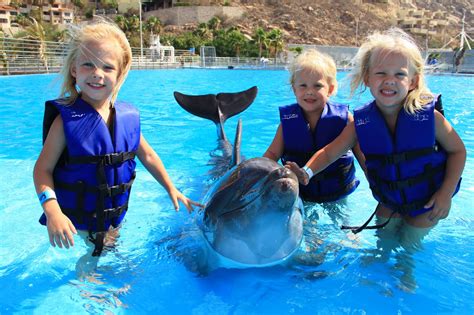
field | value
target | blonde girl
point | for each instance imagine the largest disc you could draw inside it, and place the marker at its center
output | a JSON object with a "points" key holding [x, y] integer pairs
{"points": [[311, 123], [86, 168]]}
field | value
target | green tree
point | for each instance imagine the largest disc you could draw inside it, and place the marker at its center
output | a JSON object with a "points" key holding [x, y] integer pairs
{"points": [[36, 31], [81, 4], [121, 22], [214, 24], [259, 37], [275, 38], [236, 40], [204, 32], [153, 25], [108, 4]]}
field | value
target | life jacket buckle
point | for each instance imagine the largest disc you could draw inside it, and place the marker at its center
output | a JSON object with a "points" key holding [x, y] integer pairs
{"points": [[113, 158]]}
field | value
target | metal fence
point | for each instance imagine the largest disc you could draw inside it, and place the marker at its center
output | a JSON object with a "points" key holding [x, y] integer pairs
{"points": [[23, 56]]}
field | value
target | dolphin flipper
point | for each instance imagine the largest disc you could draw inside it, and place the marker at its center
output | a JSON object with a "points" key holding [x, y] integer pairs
{"points": [[217, 107]]}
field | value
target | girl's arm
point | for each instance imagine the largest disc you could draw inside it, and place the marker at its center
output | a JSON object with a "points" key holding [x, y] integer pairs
{"points": [[357, 151], [453, 145], [153, 164], [275, 150], [327, 155], [60, 228]]}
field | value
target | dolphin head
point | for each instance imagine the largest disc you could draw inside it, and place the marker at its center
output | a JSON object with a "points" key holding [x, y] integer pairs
{"points": [[253, 216]]}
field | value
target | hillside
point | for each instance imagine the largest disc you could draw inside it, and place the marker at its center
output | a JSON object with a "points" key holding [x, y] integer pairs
{"points": [[340, 22]]}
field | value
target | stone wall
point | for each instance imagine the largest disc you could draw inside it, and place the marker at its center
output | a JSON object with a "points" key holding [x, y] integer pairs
{"points": [[198, 14]]}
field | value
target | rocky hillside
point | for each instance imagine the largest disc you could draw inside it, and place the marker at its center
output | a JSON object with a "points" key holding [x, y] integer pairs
{"points": [[341, 22]]}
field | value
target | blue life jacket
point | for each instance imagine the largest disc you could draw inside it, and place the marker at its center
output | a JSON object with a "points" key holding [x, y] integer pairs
{"points": [[405, 169], [94, 175], [338, 179]]}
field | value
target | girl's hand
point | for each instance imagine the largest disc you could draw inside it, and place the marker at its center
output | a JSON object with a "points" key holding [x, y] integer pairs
{"points": [[60, 230], [441, 203], [177, 196], [300, 173]]}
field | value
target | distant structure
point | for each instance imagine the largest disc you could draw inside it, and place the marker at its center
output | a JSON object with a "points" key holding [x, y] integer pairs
{"points": [[159, 52], [58, 12], [8, 16], [423, 22]]}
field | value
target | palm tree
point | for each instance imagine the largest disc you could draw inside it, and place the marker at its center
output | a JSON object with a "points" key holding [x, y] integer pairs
{"points": [[275, 38], [203, 31], [214, 24], [36, 31], [153, 25], [236, 40], [3, 54], [259, 37], [121, 22]]}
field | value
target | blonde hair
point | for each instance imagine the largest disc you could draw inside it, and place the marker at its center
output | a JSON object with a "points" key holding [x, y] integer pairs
{"points": [[391, 41], [97, 31], [315, 62]]}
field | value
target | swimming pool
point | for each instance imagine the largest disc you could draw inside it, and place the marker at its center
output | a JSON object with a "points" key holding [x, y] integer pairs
{"points": [[147, 271]]}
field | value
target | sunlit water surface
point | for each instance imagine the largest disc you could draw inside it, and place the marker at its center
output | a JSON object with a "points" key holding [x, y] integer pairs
{"points": [[147, 272]]}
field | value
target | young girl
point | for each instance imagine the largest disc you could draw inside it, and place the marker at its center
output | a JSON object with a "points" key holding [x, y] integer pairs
{"points": [[313, 122], [86, 168], [414, 158]]}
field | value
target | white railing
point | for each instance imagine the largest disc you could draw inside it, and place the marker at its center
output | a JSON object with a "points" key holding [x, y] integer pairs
{"points": [[24, 56]]}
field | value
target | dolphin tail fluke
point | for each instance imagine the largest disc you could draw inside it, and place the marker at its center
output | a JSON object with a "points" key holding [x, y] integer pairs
{"points": [[236, 152], [217, 107]]}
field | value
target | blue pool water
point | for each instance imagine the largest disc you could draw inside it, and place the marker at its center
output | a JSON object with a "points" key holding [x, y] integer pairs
{"points": [[147, 274]]}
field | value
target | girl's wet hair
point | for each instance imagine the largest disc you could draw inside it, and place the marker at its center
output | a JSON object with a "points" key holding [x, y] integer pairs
{"points": [[98, 32], [381, 45], [315, 62]]}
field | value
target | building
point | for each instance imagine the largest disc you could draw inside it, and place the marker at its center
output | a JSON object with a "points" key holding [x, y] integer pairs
{"points": [[8, 16], [423, 22], [58, 12]]}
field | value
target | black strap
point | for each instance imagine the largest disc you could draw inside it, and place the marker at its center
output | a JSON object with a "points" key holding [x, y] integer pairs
{"points": [[426, 176], [396, 158], [402, 209], [110, 191], [366, 226], [106, 159], [110, 213], [98, 241]]}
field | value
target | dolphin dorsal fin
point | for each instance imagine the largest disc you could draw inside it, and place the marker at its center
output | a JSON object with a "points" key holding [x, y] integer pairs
{"points": [[236, 152]]}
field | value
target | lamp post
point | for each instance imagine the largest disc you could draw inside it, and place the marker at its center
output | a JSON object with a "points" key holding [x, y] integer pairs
{"points": [[141, 35]]}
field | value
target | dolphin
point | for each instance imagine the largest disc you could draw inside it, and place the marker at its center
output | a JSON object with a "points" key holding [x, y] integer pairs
{"points": [[252, 216]]}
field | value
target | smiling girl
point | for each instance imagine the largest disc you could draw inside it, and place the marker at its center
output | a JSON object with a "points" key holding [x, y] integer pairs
{"points": [[313, 122], [86, 168]]}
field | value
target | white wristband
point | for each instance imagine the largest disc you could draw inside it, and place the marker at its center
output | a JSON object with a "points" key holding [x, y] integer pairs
{"points": [[46, 195], [308, 171]]}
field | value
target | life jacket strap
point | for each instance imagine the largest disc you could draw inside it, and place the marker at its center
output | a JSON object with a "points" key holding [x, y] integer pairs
{"points": [[366, 226], [110, 191], [402, 209], [98, 242], [426, 176], [106, 159], [396, 158]]}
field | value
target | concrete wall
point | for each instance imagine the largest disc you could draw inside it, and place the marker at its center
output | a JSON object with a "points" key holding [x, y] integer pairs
{"points": [[198, 14]]}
